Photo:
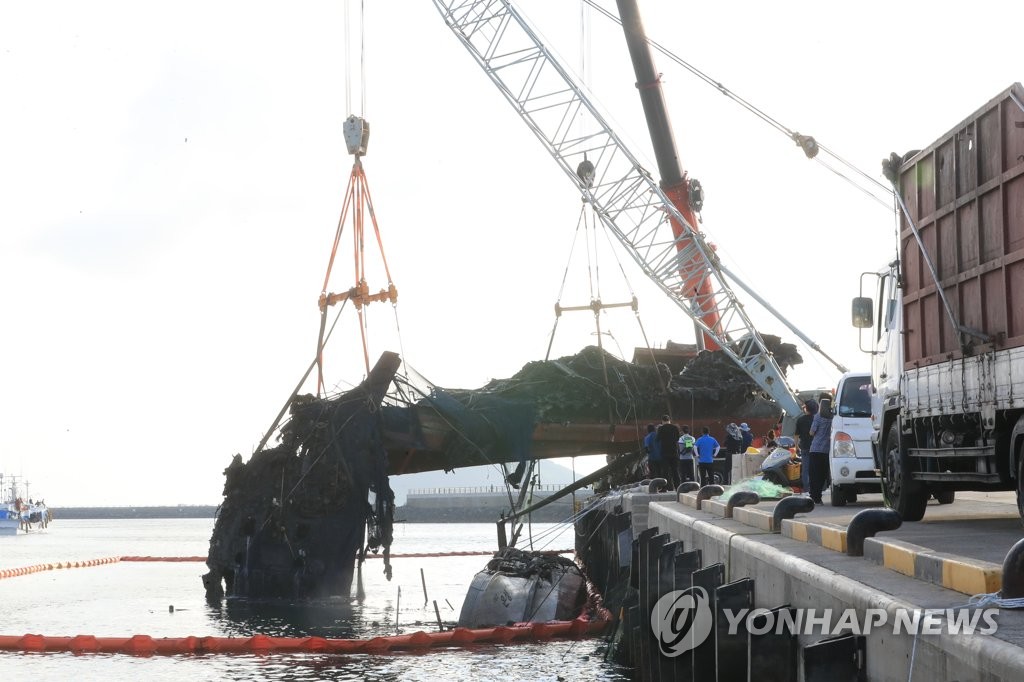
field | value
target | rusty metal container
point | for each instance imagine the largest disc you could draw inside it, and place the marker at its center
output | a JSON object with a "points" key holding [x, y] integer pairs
{"points": [[965, 192]]}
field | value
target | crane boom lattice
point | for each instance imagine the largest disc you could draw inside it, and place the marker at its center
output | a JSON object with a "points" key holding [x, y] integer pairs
{"points": [[626, 198]]}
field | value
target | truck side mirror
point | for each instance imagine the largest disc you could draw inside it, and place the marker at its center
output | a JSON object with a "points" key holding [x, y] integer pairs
{"points": [[863, 316]]}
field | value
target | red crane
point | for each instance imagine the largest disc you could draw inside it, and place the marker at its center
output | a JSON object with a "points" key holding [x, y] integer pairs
{"points": [[631, 205]]}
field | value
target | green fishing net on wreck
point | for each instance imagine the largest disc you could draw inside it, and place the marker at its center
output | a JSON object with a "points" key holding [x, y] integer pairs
{"points": [[496, 422], [595, 386], [766, 490]]}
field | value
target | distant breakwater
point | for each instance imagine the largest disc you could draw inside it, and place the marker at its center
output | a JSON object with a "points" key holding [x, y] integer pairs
{"points": [[405, 514], [413, 515], [481, 504], [169, 512], [452, 506]]}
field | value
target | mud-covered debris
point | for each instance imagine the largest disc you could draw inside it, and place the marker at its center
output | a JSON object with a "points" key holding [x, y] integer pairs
{"points": [[594, 385], [295, 516]]}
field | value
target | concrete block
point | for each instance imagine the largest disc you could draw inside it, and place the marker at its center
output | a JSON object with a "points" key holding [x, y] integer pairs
{"points": [[714, 506], [688, 499], [745, 466], [751, 516]]}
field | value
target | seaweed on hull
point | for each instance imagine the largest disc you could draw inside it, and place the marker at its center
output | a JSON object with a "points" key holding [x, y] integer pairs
{"points": [[296, 517], [573, 388]]}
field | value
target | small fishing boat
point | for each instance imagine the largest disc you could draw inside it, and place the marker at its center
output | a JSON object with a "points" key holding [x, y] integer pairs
{"points": [[18, 513]]}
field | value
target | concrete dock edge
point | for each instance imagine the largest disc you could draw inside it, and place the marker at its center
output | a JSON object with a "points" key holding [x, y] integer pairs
{"points": [[804, 575], [968, 576]]}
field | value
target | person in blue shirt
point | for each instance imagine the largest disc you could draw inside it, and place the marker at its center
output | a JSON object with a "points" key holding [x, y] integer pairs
{"points": [[804, 438], [653, 449], [707, 447], [821, 434]]}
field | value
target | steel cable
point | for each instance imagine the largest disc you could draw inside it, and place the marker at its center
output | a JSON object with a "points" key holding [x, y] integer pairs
{"points": [[800, 140]]}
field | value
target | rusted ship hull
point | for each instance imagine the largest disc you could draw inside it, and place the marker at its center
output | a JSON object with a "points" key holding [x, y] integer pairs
{"points": [[296, 517], [549, 440]]}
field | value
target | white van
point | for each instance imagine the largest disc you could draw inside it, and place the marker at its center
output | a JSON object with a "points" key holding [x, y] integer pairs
{"points": [[850, 455]]}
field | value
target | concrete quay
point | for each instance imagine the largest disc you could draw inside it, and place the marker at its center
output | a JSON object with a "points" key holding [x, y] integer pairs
{"points": [[803, 564]]}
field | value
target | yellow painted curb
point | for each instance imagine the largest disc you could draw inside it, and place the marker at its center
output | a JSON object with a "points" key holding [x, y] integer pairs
{"points": [[899, 559], [834, 539], [797, 530], [971, 577]]}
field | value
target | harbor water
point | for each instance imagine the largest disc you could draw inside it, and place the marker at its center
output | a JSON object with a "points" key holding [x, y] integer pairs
{"points": [[166, 599]]}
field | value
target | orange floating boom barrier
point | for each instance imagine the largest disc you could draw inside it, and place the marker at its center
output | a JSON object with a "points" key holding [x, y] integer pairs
{"points": [[144, 645], [26, 570]]}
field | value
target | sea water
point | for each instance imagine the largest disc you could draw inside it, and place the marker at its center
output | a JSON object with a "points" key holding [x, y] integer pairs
{"points": [[166, 599]]}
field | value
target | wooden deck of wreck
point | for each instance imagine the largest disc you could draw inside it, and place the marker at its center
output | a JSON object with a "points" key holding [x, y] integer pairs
{"points": [[550, 440]]}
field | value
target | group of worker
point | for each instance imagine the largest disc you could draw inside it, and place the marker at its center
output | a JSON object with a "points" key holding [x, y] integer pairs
{"points": [[677, 456]]}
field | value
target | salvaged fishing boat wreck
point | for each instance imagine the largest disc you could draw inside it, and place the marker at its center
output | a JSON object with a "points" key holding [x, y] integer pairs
{"points": [[295, 516], [298, 518]]}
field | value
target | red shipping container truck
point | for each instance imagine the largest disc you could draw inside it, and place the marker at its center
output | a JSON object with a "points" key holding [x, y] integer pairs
{"points": [[947, 316]]}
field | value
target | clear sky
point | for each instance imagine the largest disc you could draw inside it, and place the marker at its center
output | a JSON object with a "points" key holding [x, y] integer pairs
{"points": [[171, 176]]}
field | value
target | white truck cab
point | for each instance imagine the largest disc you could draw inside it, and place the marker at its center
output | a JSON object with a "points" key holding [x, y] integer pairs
{"points": [[851, 458]]}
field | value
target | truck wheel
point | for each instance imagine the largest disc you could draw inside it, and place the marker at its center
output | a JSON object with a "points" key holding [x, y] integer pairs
{"points": [[1020, 488], [838, 496], [946, 496], [901, 493]]}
